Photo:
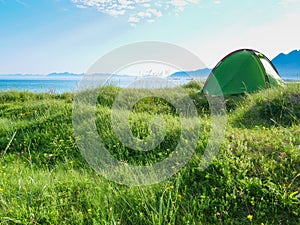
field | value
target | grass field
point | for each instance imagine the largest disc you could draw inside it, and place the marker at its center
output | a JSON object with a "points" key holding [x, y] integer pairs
{"points": [[255, 178]]}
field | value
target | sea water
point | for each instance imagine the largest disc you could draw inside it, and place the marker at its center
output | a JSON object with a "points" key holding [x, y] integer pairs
{"points": [[47, 86], [62, 86]]}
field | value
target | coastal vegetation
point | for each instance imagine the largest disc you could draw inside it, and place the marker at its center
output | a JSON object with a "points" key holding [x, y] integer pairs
{"points": [[255, 178]]}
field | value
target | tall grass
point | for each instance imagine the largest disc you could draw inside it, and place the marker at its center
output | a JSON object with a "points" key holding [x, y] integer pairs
{"points": [[255, 179]]}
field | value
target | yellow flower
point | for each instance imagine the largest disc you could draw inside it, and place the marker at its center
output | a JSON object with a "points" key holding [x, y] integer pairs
{"points": [[262, 224], [89, 211], [171, 187], [250, 217]]}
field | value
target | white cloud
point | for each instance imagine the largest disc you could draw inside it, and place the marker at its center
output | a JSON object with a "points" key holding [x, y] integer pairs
{"points": [[144, 14], [81, 6], [21, 3], [179, 3], [155, 12], [217, 2], [142, 1], [133, 20], [287, 2], [135, 9], [125, 2], [114, 12], [151, 21]]}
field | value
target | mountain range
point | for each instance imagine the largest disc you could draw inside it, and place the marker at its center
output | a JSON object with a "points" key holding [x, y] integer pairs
{"points": [[288, 66]]}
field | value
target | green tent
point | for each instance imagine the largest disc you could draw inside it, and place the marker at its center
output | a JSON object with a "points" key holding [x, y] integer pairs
{"points": [[242, 71]]}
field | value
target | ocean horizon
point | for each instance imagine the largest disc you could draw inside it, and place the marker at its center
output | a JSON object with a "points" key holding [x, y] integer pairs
{"points": [[59, 86]]}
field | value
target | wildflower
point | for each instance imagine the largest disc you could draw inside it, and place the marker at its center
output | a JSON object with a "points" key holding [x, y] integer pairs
{"points": [[250, 217], [21, 114], [171, 187], [89, 211]]}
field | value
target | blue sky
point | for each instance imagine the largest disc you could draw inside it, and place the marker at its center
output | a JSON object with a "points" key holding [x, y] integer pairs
{"points": [[44, 36]]}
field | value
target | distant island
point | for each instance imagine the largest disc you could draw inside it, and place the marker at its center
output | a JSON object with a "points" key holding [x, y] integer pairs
{"points": [[65, 74], [198, 74], [51, 76]]}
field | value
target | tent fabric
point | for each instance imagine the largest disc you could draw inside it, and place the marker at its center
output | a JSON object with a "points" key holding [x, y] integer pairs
{"points": [[242, 71]]}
